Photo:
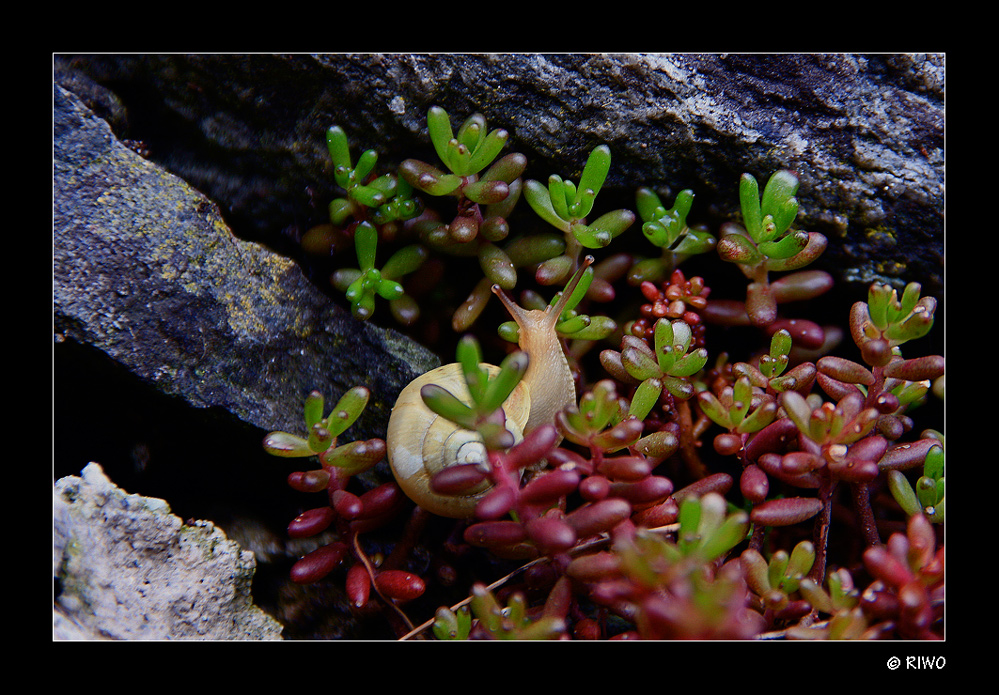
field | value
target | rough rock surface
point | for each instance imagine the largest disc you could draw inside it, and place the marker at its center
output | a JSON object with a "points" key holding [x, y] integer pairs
{"points": [[864, 132], [127, 568], [146, 271]]}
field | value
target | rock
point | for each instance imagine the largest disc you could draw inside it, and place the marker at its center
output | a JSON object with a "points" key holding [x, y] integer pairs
{"points": [[864, 132], [127, 568], [146, 271]]}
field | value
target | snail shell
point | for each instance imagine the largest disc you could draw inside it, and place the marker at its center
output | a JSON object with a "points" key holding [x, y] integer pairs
{"points": [[421, 442]]}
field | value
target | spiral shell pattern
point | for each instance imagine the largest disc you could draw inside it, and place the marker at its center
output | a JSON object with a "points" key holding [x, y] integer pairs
{"points": [[420, 442]]}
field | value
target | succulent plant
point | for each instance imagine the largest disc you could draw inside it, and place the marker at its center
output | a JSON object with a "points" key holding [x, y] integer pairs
{"points": [[621, 518]]}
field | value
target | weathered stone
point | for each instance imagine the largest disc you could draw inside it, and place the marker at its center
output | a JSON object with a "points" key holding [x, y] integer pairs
{"points": [[127, 568], [146, 271], [864, 132]]}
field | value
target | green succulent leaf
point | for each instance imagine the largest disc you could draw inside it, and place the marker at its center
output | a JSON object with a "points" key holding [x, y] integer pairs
{"points": [[336, 143], [779, 201], [736, 248], [595, 172], [502, 385], [447, 405], [439, 127], [540, 200], [347, 410], [591, 237], [287, 445], [645, 398], [789, 245], [749, 198], [313, 409]]}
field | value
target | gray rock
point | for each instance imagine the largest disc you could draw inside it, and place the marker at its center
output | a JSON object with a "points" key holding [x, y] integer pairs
{"points": [[864, 132], [127, 568], [146, 271]]}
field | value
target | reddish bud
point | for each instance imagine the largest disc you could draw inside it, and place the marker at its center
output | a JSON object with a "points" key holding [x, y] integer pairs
{"points": [[358, 585], [918, 369], [886, 567], [455, 480], [662, 514], [754, 484], [488, 534], [772, 465], [381, 500], [802, 285], [785, 511], [726, 312], [845, 370], [550, 534], [594, 567], [773, 438], [560, 457], [799, 462], [318, 563], [903, 456], [536, 446], [311, 522], [597, 517], [869, 449], [347, 504], [625, 468], [548, 488], [496, 503], [652, 490], [728, 444], [853, 471], [400, 586], [719, 482], [309, 481], [594, 487], [876, 352], [835, 388], [586, 629]]}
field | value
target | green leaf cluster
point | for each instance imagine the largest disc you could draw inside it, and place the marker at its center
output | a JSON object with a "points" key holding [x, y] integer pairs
{"points": [[388, 198], [600, 420], [766, 241], [321, 439], [842, 423], [565, 206], [668, 230], [465, 155], [928, 496], [487, 393], [666, 367], [885, 321], [769, 375], [707, 532], [738, 409], [512, 622], [839, 600], [779, 579], [362, 284]]}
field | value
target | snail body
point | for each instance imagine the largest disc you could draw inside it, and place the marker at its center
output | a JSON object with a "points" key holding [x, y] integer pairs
{"points": [[420, 442]]}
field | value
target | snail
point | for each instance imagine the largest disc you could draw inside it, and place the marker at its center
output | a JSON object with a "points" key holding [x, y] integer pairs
{"points": [[420, 442]]}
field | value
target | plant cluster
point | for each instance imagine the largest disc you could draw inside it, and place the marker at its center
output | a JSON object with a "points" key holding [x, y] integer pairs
{"points": [[686, 494]]}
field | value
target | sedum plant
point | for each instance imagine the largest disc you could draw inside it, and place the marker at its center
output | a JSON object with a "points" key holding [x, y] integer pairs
{"points": [[566, 205], [927, 496], [667, 230], [766, 243], [621, 521], [361, 285]]}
